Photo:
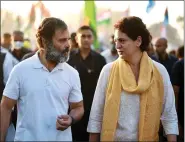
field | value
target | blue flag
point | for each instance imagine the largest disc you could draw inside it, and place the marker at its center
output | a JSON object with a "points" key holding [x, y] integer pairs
{"points": [[166, 18], [150, 5]]}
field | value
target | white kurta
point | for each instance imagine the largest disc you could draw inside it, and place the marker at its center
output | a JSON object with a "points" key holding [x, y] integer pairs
{"points": [[127, 128]]}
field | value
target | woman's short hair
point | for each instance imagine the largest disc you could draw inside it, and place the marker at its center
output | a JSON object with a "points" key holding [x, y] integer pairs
{"points": [[133, 27]]}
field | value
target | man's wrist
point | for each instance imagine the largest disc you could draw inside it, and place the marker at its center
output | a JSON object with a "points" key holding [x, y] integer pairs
{"points": [[73, 121]]}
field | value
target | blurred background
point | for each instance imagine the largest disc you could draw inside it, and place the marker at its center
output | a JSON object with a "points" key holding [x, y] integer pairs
{"points": [[162, 18]]}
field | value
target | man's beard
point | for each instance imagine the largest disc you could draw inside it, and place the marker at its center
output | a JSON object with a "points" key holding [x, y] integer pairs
{"points": [[52, 54]]}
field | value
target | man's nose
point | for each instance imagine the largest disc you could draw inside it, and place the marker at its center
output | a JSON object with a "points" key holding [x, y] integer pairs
{"points": [[86, 38], [68, 44]]}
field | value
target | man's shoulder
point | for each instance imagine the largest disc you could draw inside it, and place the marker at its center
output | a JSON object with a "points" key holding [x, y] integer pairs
{"points": [[173, 58], [69, 68], [27, 63], [9, 56], [105, 52], [154, 57], [30, 54], [161, 68], [179, 64], [97, 55]]}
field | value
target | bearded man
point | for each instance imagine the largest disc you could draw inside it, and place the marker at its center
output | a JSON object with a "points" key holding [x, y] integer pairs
{"points": [[44, 86]]}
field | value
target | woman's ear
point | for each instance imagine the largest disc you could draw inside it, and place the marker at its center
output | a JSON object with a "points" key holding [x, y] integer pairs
{"points": [[138, 41]]}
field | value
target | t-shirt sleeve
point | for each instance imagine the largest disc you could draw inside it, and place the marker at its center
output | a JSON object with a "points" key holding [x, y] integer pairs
{"points": [[75, 94], [13, 85]]}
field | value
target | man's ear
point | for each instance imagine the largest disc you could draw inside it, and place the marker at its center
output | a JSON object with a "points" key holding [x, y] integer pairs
{"points": [[44, 42]]}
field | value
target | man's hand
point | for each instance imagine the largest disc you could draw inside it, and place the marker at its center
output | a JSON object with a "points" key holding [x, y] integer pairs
{"points": [[5, 112], [63, 122]]}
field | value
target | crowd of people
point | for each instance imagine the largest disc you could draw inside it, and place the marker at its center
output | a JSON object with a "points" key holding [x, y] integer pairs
{"points": [[65, 90]]}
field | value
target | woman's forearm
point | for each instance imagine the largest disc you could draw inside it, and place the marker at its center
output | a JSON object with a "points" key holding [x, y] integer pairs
{"points": [[94, 137]]}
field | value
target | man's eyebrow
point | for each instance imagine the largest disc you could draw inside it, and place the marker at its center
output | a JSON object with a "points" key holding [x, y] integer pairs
{"points": [[65, 38], [86, 34]]}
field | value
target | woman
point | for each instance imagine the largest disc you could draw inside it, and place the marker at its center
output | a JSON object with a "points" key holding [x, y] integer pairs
{"points": [[133, 93]]}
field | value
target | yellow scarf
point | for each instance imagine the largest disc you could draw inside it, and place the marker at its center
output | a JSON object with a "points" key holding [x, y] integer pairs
{"points": [[151, 90]]}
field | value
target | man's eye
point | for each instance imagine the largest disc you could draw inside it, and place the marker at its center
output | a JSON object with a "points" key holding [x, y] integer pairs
{"points": [[64, 39]]}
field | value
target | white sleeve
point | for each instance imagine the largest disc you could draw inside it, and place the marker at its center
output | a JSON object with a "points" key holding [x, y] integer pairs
{"points": [[96, 115], [12, 87], [76, 93], [7, 67], [169, 114]]}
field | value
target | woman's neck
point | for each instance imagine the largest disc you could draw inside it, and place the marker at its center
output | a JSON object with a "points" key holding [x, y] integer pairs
{"points": [[134, 62], [135, 59]]}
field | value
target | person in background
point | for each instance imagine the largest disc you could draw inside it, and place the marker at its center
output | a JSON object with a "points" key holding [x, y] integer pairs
{"points": [[173, 53], [30, 54], [7, 41], [44, 87], [73, 44], [151, 52], [89, 64], [133, 93], [27, 43], [162, 56], [6, 66], [18, 50], [178, 86], [110, 55], [180, 52]]}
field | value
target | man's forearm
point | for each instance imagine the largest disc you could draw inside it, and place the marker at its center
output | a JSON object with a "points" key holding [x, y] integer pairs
{"points": [[94, 137], [77, 113], [172, 138], [5, 121]]}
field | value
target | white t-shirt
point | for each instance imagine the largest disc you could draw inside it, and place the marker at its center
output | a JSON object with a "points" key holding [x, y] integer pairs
{"points": [[108, 56], [42, 96], [127, 128], [8, 64]]}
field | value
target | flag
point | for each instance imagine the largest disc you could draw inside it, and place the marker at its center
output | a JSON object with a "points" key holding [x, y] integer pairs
{"points": [[163, 31], [164, 25], [86, 21], [126, 13], [90, 17], [4, 17], [44, 11], [166, 18], [104, 18], [31, 19], [18, 22], [151, 4], [32, 15]]}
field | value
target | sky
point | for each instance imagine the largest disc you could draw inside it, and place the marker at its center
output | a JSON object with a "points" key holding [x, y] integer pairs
{"points": [[138, 8], [61, 9]]}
